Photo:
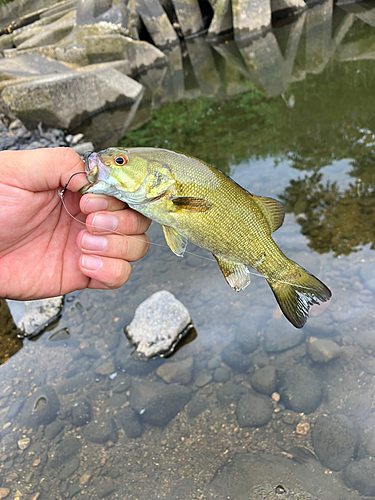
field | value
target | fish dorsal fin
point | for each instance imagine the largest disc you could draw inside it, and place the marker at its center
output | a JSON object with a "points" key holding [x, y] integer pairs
{"points": [[190, 204], [237, 275], [177, 242], [274, 212]]}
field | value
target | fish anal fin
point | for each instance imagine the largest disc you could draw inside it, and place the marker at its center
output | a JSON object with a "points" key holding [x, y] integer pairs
{"points": [[177, 242], [274, 212], [236, 275], [191, 204]]}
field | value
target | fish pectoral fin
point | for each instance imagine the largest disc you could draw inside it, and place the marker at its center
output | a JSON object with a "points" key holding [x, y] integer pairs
{"points": [[190, 204], [237, 275], [274, 212], [177, 242]]}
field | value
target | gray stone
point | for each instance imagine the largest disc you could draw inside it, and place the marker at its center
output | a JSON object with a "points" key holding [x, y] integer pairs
{"points": [[105, 489], [254, 410], [230, 393], [105, 48], [121, 383], [214, 363], [28, 66], [105, 368], [73, 384], [69, 468], [15, 408], [250, 17], [360, 476], [158, 324], [203, 64], [119, 14], [38, 315], [101, 429], [41, 408], [81, 413], [221, 375], [50, 34], [247, 339], [156, 402], [65, 450], [289, 5], [189, 16], [281, 336], [86, 92], [179, 372], [233, 357], [196, 406], [130, 422], [203, 378], [300, 390], [322, 350], [264, 380], [222, 20], [52, 430], [335, 441], [157, 23]]}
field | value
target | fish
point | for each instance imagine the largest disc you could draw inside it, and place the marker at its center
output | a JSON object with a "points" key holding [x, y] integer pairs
{"points": [[193, 201]]}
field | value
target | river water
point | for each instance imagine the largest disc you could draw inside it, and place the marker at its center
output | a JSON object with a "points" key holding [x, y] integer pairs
{"points": [[248, 407]]}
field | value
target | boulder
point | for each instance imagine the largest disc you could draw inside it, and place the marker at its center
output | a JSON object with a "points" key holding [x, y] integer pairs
{"points": [[158, 324], [65, 100]]}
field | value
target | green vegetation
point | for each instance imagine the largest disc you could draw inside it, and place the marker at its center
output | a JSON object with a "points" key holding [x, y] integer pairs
{"points": [[332, 119]]}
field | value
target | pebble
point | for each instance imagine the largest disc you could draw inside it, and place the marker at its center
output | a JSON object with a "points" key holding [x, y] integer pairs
{"points": [[221, 375], [4, 492], [281, 336], [23, 444], [85, 478], [360, 476], [335, 441], [322, 350], [302, 428], [101, 430], [234, 357], [264, 380], [204, 377], [254, 410], [130, 422], [105, 368], [214, 363], [81, 413], [65, 450], [300, 390], [69, 468], [247, 339], [196, 406], [179, 372]]}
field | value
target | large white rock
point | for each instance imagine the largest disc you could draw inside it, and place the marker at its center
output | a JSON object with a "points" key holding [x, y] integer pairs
{"points": [[158, 324]]}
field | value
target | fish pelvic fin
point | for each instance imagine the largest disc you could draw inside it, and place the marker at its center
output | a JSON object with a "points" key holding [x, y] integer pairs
{"points": [[273, 211], [297, 293], [177, 242], [237, 275]]}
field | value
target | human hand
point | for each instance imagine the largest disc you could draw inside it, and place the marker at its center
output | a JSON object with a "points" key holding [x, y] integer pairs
{"points": [[43, 251]]}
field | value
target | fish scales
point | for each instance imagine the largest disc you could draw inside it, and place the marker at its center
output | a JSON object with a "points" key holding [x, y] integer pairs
{"points": [[194, 201]]}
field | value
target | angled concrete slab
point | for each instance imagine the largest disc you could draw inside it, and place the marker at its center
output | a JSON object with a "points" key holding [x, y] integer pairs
{"points": [[157, 23]]}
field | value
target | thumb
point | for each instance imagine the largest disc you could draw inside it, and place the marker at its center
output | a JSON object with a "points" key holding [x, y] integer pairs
{"points": [[41, 169]]}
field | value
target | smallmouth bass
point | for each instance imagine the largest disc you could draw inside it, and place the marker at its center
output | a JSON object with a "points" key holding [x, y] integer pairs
{"points": [[194, 201]]}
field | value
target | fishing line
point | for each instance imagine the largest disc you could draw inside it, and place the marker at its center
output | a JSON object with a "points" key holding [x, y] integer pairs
{"points": [[61, 195]]}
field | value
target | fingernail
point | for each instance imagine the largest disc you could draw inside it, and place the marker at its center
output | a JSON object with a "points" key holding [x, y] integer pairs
{"points": [[91, 242], [107, 222], [91, 262], [95, 205]]}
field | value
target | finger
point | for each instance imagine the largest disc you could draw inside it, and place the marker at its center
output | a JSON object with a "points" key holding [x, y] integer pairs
{"points": [[114, 246], [105, 273], [124, 222], [96, 202]]}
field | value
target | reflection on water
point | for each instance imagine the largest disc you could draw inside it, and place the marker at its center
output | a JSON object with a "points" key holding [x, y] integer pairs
{"points": [[252, 408]]}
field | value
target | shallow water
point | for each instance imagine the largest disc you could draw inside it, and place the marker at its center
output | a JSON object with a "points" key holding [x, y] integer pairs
{"points": [[291, 116]]}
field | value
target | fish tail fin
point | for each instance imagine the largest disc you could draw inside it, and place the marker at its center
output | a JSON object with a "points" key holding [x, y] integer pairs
{"points": [[297, 292]]}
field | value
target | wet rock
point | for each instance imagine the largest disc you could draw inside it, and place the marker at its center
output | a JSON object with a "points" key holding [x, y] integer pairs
{"points": [[157, 23], [121, 383], [52, 430], [360, 476], [214, 363], [247, 339], [281, 336], [254, 410], [4, 492], [41, 408], [189, 16], [196, 406], [179, 372], [75, 383], [233, 357], [28, 66], [130, 422], [89, 91], [264, 380], [222, 20], [158, 324], [81, 413], [230, 393], [69, 468], [323, 350], [221, 375], [300, 390], [39, 314], [156, 402], [358, 406], [105, 368], [15, 408], [101, 430], [65, 450], [204, 377], [119, 14], [335, 441], [105, 489], [257, 18]]}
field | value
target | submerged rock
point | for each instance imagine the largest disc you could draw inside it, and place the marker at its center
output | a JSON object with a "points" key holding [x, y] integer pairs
{"points": [[41, 408], [281, 336], [158, 324], [335, 441], [300, 390], [360, 476], [254, 410], [130, 422], [323, 350], [38, 315], [264, 380]]}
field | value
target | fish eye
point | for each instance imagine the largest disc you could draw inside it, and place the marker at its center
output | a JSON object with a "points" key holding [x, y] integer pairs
{"points": [[121, 160]]}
